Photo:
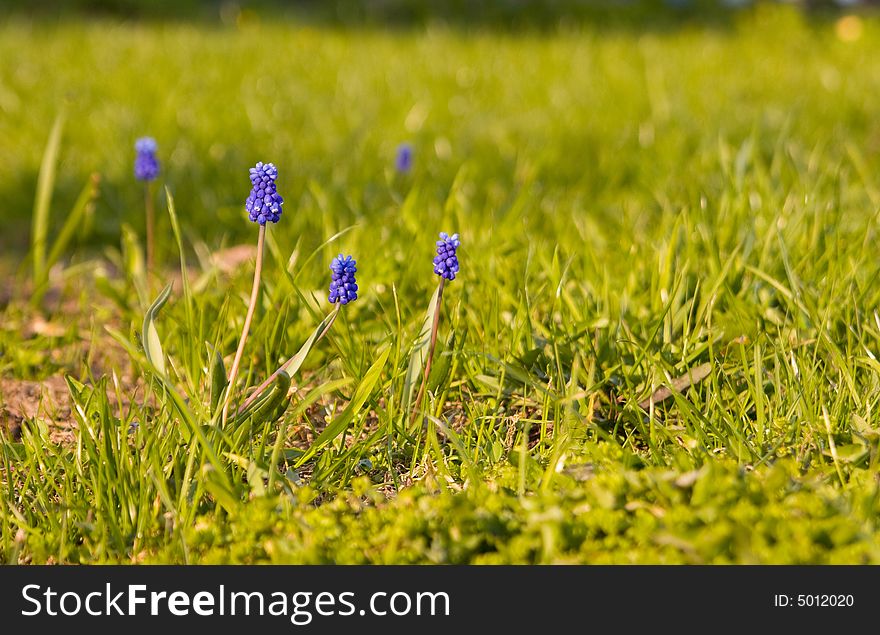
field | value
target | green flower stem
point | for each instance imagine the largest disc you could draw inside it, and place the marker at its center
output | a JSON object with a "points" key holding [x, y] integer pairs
{"points": [[434, 328], [252, 305], [148, 203]]}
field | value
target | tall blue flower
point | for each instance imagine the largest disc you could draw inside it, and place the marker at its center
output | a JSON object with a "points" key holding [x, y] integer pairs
{"points": [[264, 203], [404, 158], [343, 286], [446, 260], [146, 165]]}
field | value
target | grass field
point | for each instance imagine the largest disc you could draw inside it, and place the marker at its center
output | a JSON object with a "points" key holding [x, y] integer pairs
{"points": [[645, 203]]}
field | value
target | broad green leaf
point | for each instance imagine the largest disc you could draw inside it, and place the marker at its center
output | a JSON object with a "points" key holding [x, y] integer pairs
{"points": [[43, 200], [76, 388], [420, 350], [218, 381], [259, 402], [267, 406], [361, 394], [151, 342], [278, 412], [297, 360]]}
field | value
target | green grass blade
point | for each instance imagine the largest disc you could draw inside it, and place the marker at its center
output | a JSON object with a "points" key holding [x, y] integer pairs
{"points": [[83, 206], [297, 360], [178, 237], [218, 381], [192, 428], [361, 394], [43, 200], [420, 352]]}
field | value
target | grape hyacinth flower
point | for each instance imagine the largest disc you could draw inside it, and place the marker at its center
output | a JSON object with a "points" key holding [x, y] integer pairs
{"points": [[146, 165], [146, 169], [343, 286], [343, 289], [445, 266], [404, 159], [446, 260], [264, 203]]}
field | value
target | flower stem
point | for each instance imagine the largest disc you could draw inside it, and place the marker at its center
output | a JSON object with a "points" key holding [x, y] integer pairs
{"points": [[148, 203], [252, 305], [434, 328], [272, 377]]}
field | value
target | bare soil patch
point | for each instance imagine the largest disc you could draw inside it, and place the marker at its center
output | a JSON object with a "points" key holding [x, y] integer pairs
{"points": [[24, 400]]}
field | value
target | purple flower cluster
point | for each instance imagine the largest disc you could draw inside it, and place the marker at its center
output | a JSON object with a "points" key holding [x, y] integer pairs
{"points": [[264, 203], [343, 286], [146, 165], [404, 159], [446, 261]]}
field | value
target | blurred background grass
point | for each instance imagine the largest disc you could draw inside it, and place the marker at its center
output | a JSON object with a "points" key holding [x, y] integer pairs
{"points": [[610, 109]]}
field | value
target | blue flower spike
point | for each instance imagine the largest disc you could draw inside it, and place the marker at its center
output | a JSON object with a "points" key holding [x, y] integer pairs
{"points": [[264, 202], [446, 260], [343, 286], [146, 165], [403, 161]]}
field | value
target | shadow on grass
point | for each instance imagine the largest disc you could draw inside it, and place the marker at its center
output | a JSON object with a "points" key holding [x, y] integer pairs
{"points": [[18, 193], [513, 16], [502, 15]]}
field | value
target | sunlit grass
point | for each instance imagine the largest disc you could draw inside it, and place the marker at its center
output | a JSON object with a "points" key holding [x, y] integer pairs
{"points": [[633, 205]]}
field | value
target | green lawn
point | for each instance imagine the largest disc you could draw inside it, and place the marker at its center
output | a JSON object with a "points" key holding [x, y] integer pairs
{"points": [[638, 201]]}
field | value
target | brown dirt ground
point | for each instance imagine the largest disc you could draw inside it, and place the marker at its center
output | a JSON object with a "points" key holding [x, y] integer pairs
{"points": [[22, 400]]}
